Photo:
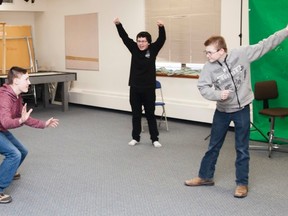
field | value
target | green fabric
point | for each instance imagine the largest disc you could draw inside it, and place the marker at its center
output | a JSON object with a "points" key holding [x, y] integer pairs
{"points": [[265, 18]]}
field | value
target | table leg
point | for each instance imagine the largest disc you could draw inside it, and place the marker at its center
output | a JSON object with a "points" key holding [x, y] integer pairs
{"points": [[46, 95], [65, 96]]}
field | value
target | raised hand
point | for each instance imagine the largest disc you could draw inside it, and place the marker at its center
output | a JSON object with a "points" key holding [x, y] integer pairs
{"points": [[160, 23], [24, 114], [116, 21]]}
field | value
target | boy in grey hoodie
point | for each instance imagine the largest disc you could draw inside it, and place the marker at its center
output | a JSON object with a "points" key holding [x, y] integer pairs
{"points": [[226, 79]]}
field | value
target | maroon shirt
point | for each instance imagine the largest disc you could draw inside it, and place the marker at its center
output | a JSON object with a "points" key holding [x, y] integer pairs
{"points": [[10, 110]]}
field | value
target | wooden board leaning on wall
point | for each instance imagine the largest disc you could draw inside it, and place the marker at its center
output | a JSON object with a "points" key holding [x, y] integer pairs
{"points": [[18, 45]]}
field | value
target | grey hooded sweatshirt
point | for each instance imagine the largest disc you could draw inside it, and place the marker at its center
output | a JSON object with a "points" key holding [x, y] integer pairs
{"points": [[234, 74]]}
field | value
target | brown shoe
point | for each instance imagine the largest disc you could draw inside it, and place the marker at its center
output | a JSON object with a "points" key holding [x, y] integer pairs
{"points": [[241, 191], [199, 182], [17, 176]]}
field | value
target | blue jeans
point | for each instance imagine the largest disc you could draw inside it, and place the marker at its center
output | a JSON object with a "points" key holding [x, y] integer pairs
{"points": [[220, 126], [14, 153]]}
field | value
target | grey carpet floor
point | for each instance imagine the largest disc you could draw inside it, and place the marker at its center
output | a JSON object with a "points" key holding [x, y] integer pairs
{"points": [[85, 168]]}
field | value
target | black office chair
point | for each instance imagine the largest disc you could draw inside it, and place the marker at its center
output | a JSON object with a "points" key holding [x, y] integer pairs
{"points": [[266, 91]]}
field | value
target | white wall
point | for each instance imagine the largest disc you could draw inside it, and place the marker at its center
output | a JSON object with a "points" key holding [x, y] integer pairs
{"points": [[21, 13], [108, 86]]}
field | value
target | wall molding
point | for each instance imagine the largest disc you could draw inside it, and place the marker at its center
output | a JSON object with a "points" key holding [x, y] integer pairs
{"points": [[201, 111]]}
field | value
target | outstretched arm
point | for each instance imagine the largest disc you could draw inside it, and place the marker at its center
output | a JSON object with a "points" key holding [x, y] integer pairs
{"points": [[129, 43], [256, 51], [36, 123]]}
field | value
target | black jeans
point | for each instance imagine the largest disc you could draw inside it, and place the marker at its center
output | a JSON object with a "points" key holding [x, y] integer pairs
{"points": [[143, 97]]}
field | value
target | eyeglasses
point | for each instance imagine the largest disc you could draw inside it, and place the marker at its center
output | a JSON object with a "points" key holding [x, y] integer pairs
{"points": [[210, 52], [142, 41]]}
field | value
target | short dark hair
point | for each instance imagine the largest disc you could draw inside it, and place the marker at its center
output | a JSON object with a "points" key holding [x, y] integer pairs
{"points": [[218, 41], [14, 73], [145, 34]]}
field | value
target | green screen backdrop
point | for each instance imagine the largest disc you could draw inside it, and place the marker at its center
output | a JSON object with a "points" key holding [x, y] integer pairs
{"points": [[265, 18]]}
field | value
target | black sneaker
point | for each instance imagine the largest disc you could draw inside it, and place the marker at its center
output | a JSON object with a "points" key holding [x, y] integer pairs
{"points": [[4, 198], [17, 176]]}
